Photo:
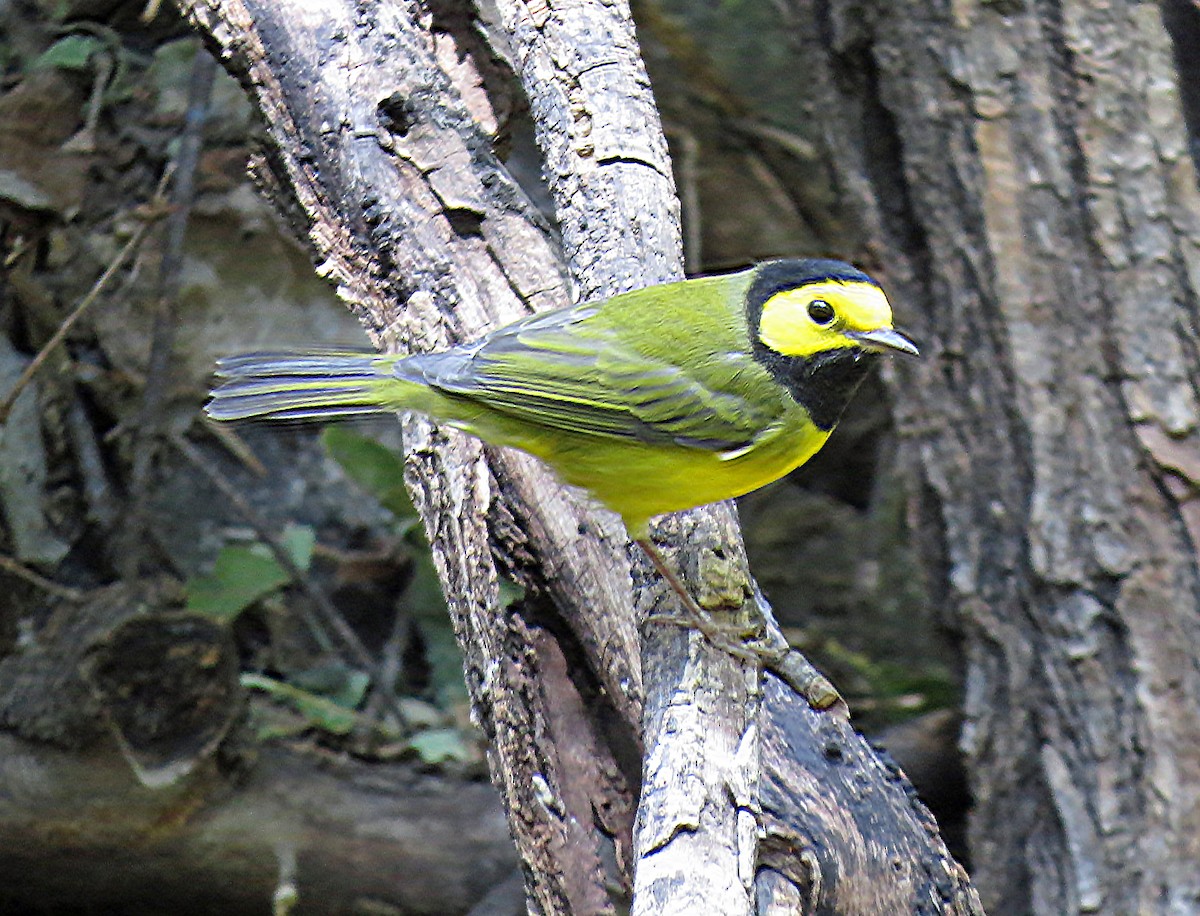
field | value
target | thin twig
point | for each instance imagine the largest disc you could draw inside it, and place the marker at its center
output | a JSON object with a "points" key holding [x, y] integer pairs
{"points": [[391, 655], [162, 345], [69, 322], [150, 11], [236, 445], [329, 617], [267, 535], [13, 567], [85, 140], [23, 245], [102, 505]]}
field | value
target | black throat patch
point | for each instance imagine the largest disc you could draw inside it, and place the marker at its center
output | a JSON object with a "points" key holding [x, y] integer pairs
{"points": [[822, 383]]}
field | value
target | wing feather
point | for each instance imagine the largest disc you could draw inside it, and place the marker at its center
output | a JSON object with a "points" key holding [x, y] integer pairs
{"points": [[560, 370]]}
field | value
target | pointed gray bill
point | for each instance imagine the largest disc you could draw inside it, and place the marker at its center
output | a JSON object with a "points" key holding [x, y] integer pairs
{"points": [[885, 339]]}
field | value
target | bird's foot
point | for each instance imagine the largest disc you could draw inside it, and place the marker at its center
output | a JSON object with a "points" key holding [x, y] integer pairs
{"points": [[740, 642], [766, 648], [750, 645]]}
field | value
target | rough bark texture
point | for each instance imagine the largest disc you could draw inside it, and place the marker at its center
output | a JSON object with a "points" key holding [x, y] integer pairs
{"points": [[1024, 175], [821, 781], [609, 174], [374, 124], [431, 242]]}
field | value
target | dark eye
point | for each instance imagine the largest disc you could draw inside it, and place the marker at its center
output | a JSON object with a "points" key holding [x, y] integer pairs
{"points": [[820, 311]]}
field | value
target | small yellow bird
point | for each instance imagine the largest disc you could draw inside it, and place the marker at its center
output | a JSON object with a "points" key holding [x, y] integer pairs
{"points": [[655, 400]]}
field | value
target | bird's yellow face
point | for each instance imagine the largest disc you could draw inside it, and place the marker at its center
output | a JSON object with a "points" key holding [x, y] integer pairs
{"points": [[828, 315], [816, 327]]}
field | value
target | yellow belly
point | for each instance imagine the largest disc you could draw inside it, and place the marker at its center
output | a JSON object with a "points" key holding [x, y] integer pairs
{"points": [[640, 481]]}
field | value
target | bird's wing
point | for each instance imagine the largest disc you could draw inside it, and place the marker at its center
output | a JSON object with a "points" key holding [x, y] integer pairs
{"points": [[560, 371]]}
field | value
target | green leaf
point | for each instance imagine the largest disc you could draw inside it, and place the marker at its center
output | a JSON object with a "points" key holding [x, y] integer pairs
{"points": [[374, 467], [70, 53], [419, 714], [299, 541], [510, 592], [242, 575], [320, 712], [336, 682], [438, 745], [424, 601], [273, 721]]}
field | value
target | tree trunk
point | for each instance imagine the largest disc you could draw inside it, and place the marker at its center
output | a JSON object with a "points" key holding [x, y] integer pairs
{"points": [[375, 128], [1024, 179]]}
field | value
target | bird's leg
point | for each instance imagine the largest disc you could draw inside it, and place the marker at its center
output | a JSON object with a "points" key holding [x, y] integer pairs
{"points": [[695, 615], [772, 652]]}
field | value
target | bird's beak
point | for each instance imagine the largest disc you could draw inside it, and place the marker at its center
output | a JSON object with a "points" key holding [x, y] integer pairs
{"points": [[885, 339]]}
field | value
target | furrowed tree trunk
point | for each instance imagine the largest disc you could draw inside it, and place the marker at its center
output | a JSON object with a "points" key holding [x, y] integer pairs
{"points": [[1025, 183], [749, 799]]}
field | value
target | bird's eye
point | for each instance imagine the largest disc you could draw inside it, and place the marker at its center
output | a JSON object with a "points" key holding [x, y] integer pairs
{"points": [[820, 311]]}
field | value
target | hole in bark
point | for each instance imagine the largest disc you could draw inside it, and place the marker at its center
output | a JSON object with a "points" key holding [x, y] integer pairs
{"points": [[396, 115], [466, 223]]}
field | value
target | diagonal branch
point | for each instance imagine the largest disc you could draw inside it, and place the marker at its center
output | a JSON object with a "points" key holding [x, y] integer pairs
{"points": [[373, 141]]}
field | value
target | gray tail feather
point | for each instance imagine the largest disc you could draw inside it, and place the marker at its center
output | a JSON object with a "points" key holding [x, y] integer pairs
{"points": [[305, 385]]}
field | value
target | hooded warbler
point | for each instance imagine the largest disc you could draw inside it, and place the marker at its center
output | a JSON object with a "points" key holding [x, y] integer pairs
{"points": [[655, 400]]}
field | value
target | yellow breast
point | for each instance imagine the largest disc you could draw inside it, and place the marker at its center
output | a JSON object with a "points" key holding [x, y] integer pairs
{"points": [[640, 481]]}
